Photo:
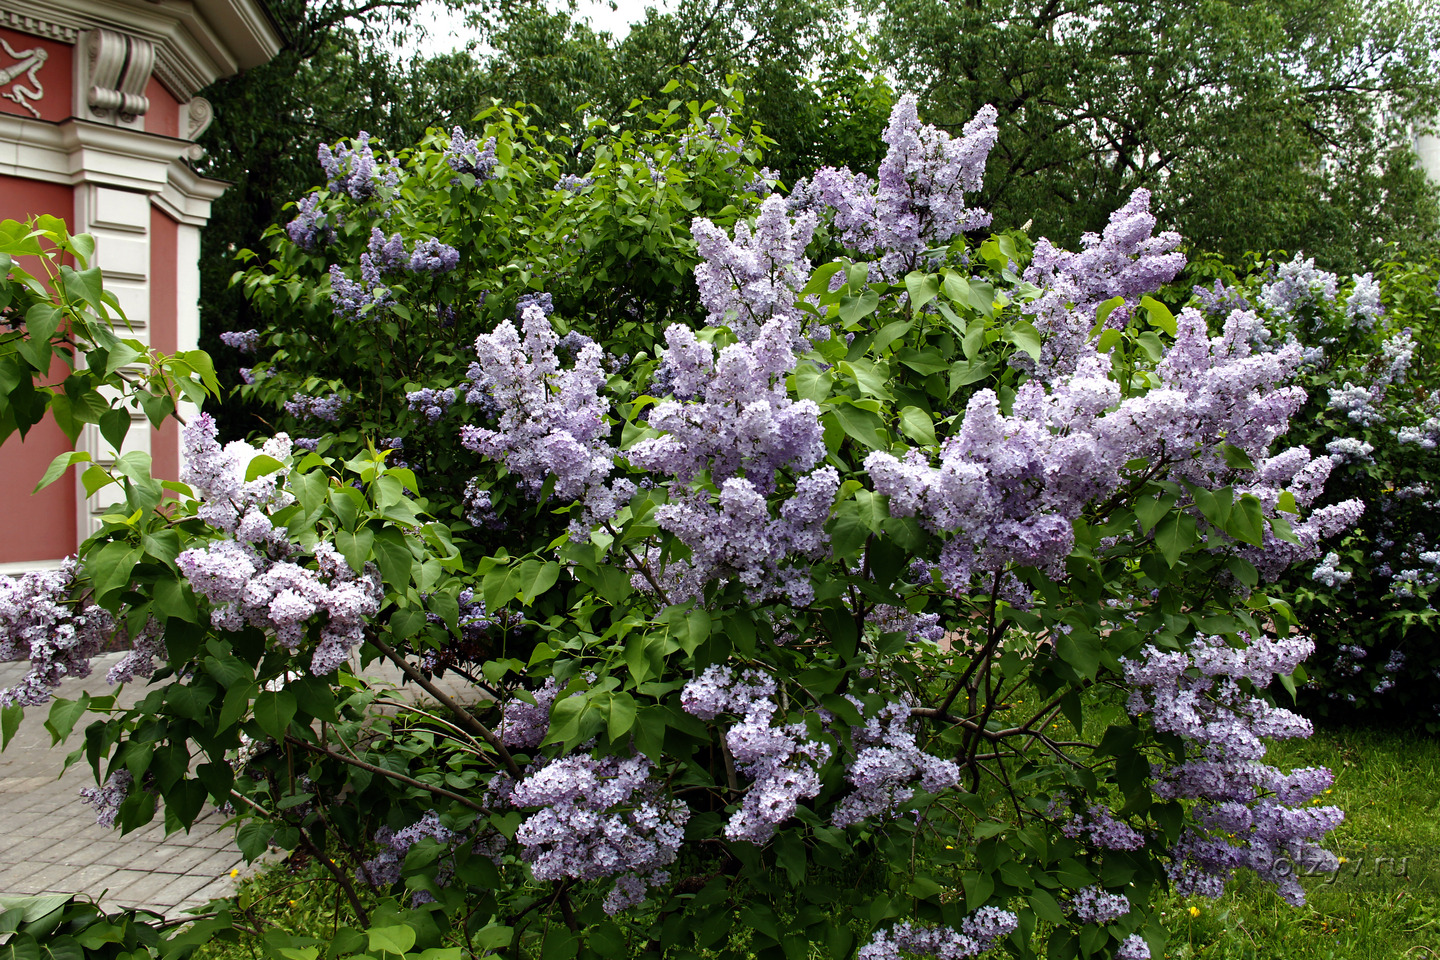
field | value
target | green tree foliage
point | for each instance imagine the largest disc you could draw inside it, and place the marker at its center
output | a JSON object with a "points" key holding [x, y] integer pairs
{"points": [[1258, 125]]}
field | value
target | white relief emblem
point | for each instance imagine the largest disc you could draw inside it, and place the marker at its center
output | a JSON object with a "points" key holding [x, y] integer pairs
{"points": [[29, 67]]}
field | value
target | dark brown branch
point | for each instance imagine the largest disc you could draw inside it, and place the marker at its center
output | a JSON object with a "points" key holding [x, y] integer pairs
{"points": [[400, 777]]}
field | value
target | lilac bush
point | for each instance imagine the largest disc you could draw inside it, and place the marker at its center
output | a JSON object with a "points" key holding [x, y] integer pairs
{"points": [[890, 551]]}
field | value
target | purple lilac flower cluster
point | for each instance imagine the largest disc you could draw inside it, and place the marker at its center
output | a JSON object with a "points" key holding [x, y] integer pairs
{"points": [[352, 299], [310, 230], [251, 578], [1009, 487], [1299, 284], [600, 817], [1099, 827], [107, 798], [327, 408], [758, 275], [353, 170], [738, 537], [573, 183], [139, 660], [918, 199], [465, 155], [978, 932], [42, 621], [479, 508], [1133, 947], [1126, 260], [246, 341], [1249, 814], [1363, 306], [551, 420], [1096, 905], [523, 724], [887, 767], [383, 869], [741, 420], [780, 759], [430, 403]]}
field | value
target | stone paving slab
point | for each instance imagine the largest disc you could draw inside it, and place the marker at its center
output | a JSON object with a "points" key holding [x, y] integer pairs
{"points": [[53, 844], [50, 843]]}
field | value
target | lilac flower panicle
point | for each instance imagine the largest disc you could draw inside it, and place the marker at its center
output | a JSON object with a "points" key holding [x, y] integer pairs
{"points": [[246, 341], [1096, 905], [250, 575], [1249, 815], [383, 869], [978, 932], [431, 403], [780, 759], [432, 256], [550, 421], [1133, 947], [42, 622], [326, 408], [470, 156], [353, 170], [1299, 284], [310, 230], [600, 817], [108, 798], [888, 766]]}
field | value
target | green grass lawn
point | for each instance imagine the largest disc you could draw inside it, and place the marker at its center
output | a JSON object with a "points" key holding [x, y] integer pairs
{"points": [[1383, 905], [1385, 902]]}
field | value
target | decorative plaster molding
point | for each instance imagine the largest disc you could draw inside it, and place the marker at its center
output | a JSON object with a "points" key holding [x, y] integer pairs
{"points": [[82, 151], [119, 69], [177, 76], [198, 115], [187, 196], [27, 68], [39, 26]]}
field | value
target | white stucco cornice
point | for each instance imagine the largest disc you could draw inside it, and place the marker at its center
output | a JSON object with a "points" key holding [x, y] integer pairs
{"points": [[187, 196], [197, 41], [78, 151]]}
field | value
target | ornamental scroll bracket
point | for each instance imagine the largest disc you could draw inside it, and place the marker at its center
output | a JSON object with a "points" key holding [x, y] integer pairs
{"points": [[119, 68], [23, 77]]}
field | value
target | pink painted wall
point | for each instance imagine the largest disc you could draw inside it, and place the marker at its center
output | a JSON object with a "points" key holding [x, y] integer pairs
{"points": [[163, 116], [164, 304], [55, 76], [41, 527]]}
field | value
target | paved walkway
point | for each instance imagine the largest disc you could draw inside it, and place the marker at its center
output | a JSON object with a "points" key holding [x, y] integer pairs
{"points": [[50, 843], [53, 845]]}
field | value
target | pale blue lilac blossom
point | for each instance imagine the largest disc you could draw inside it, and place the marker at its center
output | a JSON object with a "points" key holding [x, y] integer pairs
{"points": [[44, 621], [1128, 259], [311, 228], [888, 766], [600, 817], [918, 200], [383, 869], [780, 759], [1358, 404], [758, 275], [470, 156], [1350, 450], [1249, 815], [253, 579], [737, 537], [1096, 905], [108, 798], [1328, 573], [1363, 305], [1099, 826], [743, 422], [246, 341], [978, 932], [1299, 284], [431, 403], [326, 408], [352, 299], [1134, 947], [550, 420], [353, 170], [432, 256], [1397, 351], [139, 660], [573, 183], [523, 724], [387, 254]]}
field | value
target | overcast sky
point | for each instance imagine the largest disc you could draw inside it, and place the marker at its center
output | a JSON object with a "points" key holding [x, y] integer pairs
{"points": [[447, 29]]}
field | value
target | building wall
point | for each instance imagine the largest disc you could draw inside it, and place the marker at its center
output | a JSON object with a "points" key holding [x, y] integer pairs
{"points": [[45, 528], [78, 142], [56, 77]]}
